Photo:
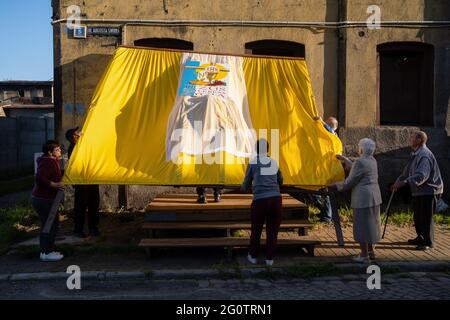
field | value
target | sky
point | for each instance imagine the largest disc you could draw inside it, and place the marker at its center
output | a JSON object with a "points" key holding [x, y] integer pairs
{"points": [[26, 40]]}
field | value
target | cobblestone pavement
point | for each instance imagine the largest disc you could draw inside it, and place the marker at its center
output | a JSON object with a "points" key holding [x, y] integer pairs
{"points": [[414, 285]]}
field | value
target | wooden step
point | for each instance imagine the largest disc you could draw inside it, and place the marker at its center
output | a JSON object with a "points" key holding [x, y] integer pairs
{"points": [[232, 208], [210, 196], [227, 242], [217, 215], [188, 225], [170, 204]]}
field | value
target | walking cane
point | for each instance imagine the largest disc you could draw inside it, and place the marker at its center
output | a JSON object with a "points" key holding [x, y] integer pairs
{"points": [[387, 213]]}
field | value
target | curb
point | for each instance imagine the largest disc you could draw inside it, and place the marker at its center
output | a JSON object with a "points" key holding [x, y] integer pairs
{"points": [[346, 269]]}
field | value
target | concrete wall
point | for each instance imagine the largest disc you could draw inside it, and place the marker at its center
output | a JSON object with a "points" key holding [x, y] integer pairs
{"points": [[343, 64], [20, 138]]}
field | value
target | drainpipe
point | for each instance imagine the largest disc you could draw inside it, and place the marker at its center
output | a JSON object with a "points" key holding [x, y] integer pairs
{"points": [[342, 55]]}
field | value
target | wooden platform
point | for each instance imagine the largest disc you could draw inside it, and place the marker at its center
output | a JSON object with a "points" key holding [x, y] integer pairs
{"points": [[184, 207], [182, 212]]}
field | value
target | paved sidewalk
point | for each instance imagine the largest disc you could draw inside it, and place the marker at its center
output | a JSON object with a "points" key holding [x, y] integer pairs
{"points": [[393, 248]]}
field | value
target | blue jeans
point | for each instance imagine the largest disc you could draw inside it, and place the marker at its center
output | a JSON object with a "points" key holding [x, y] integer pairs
{"points": [[324, 205]]}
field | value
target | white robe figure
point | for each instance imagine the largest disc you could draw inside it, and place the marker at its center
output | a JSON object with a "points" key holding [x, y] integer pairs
{"points": [[210, 113]]}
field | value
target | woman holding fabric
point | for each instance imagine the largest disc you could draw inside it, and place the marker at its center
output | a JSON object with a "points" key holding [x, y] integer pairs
{"points": [[365, 199], [46, 186]]}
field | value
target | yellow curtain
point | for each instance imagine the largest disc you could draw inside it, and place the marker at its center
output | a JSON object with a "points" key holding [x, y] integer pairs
{"points": [[124, 135]]}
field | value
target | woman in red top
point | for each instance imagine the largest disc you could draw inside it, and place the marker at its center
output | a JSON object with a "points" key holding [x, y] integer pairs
{"points": [[47, 183]]}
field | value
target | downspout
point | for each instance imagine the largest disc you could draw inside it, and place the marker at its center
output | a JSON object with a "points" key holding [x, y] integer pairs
{"points": [[342, 55]]}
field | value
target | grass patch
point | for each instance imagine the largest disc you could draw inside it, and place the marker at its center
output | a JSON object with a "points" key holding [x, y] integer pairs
{"points": [[311, 271], [13, 223], [400, 215], [238, 233], [16, 185]]}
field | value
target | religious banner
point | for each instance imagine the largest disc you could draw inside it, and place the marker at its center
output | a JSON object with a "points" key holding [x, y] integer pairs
{"points": [[164, 117]]}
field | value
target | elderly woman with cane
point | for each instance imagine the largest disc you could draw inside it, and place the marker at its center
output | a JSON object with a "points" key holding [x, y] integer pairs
{"points": [[365, 199]]}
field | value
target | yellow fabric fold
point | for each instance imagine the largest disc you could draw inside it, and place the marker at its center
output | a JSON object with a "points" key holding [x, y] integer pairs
{"points": [[124, 135]]}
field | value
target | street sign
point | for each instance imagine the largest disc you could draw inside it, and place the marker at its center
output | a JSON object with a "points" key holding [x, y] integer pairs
{"points": [[104, 31], [79, 32]]}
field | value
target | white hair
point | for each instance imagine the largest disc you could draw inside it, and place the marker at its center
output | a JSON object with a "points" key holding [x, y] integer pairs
{"points": [[367, 146]]}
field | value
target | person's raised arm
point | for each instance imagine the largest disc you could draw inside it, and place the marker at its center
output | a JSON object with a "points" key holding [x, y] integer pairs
{"points": [[248, 179]]}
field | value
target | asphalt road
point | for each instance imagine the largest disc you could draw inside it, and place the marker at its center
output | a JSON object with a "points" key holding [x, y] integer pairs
{"points": [[393, 286]]}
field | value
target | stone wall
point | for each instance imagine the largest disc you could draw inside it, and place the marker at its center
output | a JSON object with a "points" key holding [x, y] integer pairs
{"points": [[393, 151]]}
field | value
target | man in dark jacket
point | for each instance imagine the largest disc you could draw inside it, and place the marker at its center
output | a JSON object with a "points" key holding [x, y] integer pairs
{"points": [[423, 176], [87, 197]]}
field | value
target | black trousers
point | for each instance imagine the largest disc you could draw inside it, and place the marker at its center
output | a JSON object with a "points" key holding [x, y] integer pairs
{"points": [[424, 207], [202, 191], [46, 240], [87, 197]]}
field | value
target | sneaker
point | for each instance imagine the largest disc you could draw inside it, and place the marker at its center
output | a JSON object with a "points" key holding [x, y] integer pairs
{"points": [[360, 259], [52, 256], [269, 263], [326, 221], [251, 259], [423, 248]]}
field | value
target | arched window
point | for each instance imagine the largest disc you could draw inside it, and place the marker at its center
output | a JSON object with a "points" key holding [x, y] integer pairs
{"points": [[406, 76], [275, 48], [166, 43]]}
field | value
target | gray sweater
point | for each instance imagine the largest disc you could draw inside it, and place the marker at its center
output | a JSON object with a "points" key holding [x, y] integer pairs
{"points": [[264, 175], [422, 173]]}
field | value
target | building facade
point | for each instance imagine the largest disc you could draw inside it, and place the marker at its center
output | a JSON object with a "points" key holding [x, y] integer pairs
{"points": [[26, 99], [26, 122], [379, 82]]}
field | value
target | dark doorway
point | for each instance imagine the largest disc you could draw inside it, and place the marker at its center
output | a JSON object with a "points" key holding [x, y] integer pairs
{"points": [[275, 48], [406, 75], [165, 43]]}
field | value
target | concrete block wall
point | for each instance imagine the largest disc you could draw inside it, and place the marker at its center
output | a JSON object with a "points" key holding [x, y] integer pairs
{"points": [[393, 151], [20, 138]]}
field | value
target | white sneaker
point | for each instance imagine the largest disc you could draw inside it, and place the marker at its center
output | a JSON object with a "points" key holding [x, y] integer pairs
{"points": [[251, 259], [269, 263], [52, 256], [360, 259]]}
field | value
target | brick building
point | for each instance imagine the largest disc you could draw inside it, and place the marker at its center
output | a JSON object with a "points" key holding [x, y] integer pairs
{"points": [[380, 83]]}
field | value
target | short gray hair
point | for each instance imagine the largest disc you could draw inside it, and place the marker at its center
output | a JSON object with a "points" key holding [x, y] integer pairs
{"points": [[367, 145]]}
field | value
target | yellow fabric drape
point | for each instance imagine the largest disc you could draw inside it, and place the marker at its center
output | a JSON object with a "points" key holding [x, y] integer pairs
{"points": [[123, 140]]}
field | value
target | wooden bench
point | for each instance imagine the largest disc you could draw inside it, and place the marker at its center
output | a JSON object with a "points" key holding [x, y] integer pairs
{"points": [[226, 242]]}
